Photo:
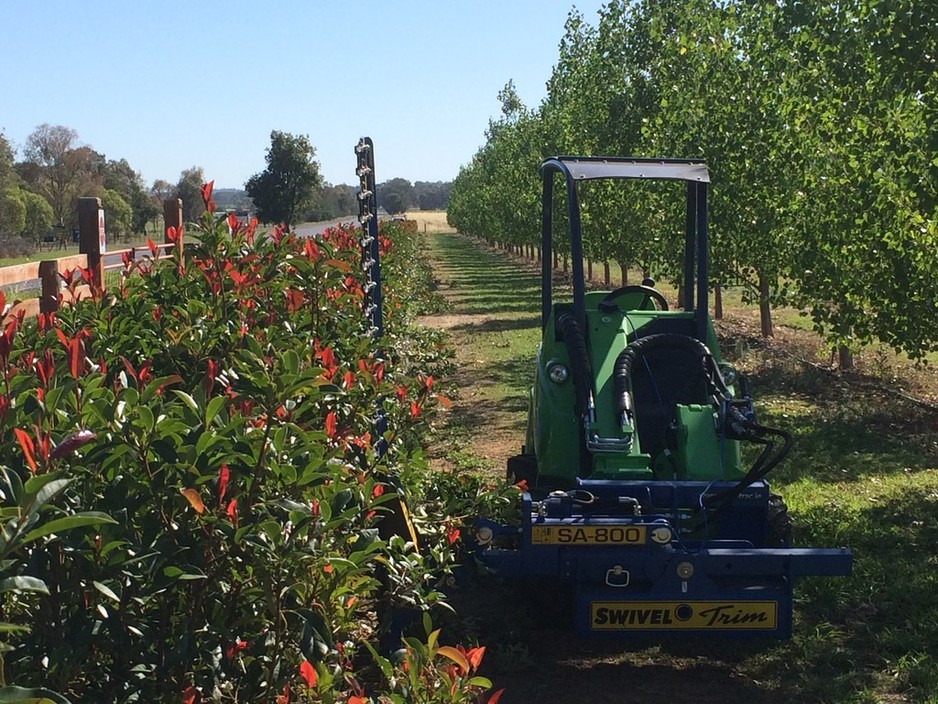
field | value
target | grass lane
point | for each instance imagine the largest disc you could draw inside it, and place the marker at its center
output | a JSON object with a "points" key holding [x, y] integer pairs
{"points": [[862, 474]]}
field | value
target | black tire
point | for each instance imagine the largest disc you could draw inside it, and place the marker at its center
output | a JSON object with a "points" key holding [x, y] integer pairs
{"points": [[522, 468], [779, 523]]}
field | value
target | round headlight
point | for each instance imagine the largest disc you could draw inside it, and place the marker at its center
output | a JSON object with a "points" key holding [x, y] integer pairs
{"points": [[557, 373], [730, 375]]}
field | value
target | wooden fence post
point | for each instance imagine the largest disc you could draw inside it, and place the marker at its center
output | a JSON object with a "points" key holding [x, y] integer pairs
{"points": [[92, 236], [49, 276], [172, 217]]}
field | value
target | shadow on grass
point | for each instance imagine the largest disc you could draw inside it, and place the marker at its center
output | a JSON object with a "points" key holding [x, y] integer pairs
{"points": [[499, 325], [843, 431]]}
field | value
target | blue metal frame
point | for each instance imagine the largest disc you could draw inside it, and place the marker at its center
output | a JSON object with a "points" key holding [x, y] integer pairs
{"points": [[368, 217], [727, 571]]}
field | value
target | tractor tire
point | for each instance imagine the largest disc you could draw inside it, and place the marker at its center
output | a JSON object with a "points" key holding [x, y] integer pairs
{"points": [[522, 468], [780, 523]]}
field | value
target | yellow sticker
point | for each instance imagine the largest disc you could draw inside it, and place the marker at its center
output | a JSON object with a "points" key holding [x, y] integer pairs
{"points": [[588, 535], [667, 615]]}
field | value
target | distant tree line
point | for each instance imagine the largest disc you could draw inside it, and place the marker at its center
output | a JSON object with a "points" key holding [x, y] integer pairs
{"points": [[39, 191], [290, 189]]}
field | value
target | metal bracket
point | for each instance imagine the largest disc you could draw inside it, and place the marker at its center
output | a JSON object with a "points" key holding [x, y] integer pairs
{"points": [[617, 577]]}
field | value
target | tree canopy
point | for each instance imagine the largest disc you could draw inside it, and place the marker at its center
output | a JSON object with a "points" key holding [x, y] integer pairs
{"points": [[189, 190], [288, 188], [817, 121]]}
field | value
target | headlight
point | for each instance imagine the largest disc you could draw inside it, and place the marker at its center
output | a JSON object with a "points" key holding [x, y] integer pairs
{"points": [[730, 375], [557, 372]]}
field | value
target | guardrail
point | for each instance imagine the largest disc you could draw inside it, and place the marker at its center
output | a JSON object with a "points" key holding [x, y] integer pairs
{"points": [[93, 260]]}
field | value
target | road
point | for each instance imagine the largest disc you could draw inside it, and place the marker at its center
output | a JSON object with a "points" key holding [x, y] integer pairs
{"points": [[312, 229]]}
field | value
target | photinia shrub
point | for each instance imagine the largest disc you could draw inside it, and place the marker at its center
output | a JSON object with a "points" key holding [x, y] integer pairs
{"points": [[208, 428]]}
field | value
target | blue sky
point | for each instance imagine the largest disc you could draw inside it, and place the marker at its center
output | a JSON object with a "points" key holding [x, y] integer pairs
{"points": [[168, 85]]}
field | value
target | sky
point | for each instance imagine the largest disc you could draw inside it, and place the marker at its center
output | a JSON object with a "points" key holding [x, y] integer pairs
{"points": [[169, 85]]}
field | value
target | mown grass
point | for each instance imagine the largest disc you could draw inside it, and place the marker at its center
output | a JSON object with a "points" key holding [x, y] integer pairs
{"points": [[862, 475]]}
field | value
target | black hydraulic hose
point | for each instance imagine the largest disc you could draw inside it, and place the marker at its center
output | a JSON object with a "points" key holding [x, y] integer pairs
{"points": [[765, 463], [622, 371], [580, 367]]}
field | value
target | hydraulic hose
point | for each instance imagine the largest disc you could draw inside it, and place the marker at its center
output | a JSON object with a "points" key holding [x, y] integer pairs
{"points": [[768, 460], [580, 367], [622, 371]]}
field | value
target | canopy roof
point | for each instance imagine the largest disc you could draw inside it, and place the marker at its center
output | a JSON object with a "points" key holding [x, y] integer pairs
{"points": [[583, 168]]}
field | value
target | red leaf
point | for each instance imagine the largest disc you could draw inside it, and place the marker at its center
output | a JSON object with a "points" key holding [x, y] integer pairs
{"points": [[495, 696], [452, 535], [310, 249], [474, 656], [235, 648], [308, 673], [207, 192], [194, 499], [348, 380], [232, 512], [72, 443], [355, 699], [152, 245], [330, 424], [328, 358], [76, 357], [223, 475], [414, 410], [189, 695], [29, 448], [285, 697], [233, 223], [61, 335]]}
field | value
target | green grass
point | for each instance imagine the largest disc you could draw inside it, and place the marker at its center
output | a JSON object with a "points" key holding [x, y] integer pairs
{"points": [[863, 474]]}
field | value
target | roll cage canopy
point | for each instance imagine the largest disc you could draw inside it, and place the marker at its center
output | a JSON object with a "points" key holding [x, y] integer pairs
{"points": [[692, 172]]}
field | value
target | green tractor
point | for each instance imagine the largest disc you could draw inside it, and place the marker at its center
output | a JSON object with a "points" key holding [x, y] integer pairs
{"points": [[634, 489]]}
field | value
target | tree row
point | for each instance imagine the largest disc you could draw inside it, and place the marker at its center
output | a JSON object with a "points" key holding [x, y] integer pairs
{"points": [[816, 121]]}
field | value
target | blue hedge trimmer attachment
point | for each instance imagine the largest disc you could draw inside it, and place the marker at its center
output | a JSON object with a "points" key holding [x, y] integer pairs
{"points": [[633, 487]]}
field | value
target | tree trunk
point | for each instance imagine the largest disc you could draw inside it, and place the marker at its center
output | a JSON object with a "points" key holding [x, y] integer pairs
{"points": [[718, 301], [765, 310], [566, 264], [556, 260], [607, 278], [844, 358], [589, 269], [537, 251], [624, 274]]}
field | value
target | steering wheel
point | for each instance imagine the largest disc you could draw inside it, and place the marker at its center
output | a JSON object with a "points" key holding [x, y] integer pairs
{"points": [[608, 303]]}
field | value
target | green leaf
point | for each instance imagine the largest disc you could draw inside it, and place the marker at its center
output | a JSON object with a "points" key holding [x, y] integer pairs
{"points": [[158, 384], [23, 583], [177, 573], [60, 525], [13, 628], [27, 695], [107, 591], [214, 406], [188, 400], [46, 493]]}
